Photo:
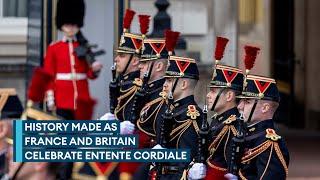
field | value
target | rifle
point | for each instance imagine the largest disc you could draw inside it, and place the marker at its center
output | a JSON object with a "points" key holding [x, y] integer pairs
{"points": [[136, 104], [139, 95], [202, 138], [165, 127], [113, 89], [84, 50], [237, 147]]}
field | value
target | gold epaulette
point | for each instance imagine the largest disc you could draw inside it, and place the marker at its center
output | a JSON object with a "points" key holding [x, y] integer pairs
{"points": [[270, 143], [271, 134], [192, 112], [138, 82], [231, 119]]}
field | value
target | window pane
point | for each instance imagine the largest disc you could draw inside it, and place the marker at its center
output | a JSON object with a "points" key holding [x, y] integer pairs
{"points": [[15, 8]]}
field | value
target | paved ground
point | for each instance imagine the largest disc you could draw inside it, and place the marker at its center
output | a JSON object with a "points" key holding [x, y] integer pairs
{"points": [[304, 148]]}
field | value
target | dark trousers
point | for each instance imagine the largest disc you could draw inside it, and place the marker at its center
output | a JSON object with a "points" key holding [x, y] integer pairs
{"points": [[66, 172]]}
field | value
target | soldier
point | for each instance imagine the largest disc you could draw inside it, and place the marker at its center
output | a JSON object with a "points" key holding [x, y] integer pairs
{"points": [[10, 108], [180, 124], [265, 154], [69, 70], [125, 87], [153, 64], [225, 85]]}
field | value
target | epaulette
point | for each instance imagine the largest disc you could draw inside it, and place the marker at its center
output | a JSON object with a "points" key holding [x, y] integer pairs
{"points": [[137, 82], [192, 112], [271, 134], [230, 119], [271, 144], [177, 132]]}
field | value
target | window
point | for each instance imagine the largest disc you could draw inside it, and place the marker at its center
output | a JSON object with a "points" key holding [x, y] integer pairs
{"points": [[13, 8]]}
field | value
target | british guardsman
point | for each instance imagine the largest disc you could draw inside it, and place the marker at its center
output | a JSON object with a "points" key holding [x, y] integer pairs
{"points": [[153, 64], [10, 109], [265, 154], [225, 85], [180, 123], [70, 72]]}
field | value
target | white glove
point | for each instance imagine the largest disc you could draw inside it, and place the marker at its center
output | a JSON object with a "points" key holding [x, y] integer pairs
{"points": [[96, 66], [50, 100], [230, 176], [107, 116], [197, 171], [158, 146], [126, 127]]}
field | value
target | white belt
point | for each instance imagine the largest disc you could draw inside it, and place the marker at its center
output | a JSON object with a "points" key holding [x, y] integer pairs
{"points": [[71, 76]]}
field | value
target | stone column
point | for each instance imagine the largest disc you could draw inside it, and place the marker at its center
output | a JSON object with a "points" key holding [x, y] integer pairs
{"points": [[225, 23]]}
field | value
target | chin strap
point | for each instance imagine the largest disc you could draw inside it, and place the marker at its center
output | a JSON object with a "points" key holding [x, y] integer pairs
{"points": [[217, 98], [252, 110], [174, 86], [126, 68]]}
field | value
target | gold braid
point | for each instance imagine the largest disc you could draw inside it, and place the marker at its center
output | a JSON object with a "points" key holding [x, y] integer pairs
{"points": [[281, 158]]}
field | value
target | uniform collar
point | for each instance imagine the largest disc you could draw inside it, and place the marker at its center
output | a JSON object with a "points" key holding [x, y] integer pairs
{"points": [[156, 84], [131, 75], [184, 101], [66, 39], [260, 126], [227, 114]]}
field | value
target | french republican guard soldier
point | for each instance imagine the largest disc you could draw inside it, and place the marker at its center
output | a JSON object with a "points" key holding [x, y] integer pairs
{"points": [[180, 123], [153, 64], [225, 85], [125, 89], [265, 155]]}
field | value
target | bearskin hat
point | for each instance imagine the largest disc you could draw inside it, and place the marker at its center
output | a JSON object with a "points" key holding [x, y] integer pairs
{"points": [[70, 12]]}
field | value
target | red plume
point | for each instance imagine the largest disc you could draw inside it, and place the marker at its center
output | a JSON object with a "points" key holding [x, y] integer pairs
{"points": [[84, 109], [250, 56], [220, 47], [144, 23], [128, 18], [171, 39], [39, 84]]}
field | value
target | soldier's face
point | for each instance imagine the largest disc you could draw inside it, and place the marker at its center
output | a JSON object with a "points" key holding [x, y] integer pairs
{"points": [[212, 96], [70, 29], [167, 86], [122, 60], [245, 106], [143, 67]]}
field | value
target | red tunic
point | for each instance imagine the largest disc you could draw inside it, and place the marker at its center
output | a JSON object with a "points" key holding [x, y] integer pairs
{"points": [[71, 80]]}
